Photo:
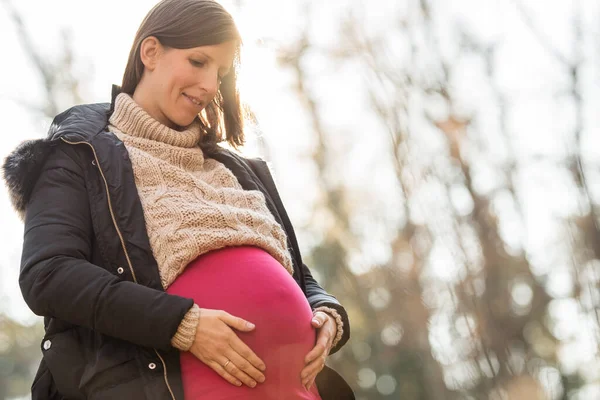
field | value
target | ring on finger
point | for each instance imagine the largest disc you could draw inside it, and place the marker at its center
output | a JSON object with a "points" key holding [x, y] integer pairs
{"points": [[227, 363]]}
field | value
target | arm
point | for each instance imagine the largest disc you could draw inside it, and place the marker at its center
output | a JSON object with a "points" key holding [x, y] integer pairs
{"points": [[58, 280]]}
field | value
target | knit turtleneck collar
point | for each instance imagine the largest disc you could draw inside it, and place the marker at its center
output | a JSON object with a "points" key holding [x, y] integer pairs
{"points": [[130, 118]]}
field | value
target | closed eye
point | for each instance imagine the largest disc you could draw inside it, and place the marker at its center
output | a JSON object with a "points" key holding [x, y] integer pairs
{"points": [[196, 63]]}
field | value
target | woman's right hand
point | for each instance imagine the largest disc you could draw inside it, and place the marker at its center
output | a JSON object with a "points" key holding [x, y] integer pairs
{"points": [[216, 343]]}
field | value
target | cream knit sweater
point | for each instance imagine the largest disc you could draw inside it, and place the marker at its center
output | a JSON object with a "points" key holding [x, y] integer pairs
{"points": [[192, 205]]}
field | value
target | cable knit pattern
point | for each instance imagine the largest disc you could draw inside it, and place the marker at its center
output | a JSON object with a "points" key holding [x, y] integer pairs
{"points": [[192, 205]]}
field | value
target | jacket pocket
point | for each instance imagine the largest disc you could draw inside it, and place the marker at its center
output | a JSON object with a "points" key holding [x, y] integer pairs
{"points": [[122, 381], [62, 355], [113, 371]]}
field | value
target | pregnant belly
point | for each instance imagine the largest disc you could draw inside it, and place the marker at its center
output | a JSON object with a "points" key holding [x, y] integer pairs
{"points": [[249, 283]]}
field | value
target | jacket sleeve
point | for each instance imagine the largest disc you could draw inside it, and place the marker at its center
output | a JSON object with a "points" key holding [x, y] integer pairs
{"points": [[57, 278]]}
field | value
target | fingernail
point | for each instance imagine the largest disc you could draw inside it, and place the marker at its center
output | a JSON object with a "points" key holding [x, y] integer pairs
{"points": [[263, 367], [261, 379], [315, 320], [250, 325]]}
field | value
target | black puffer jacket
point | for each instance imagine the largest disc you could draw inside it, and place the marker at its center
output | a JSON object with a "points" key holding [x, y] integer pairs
{"points": [[88, 268]]}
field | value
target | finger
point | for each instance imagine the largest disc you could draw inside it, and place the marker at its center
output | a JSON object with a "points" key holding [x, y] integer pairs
{"points": [[226, 375], [245, 366], [319, 319], [315, 353], [312, 366], [237, 322], [320, 347], [245, 352], [233, 370], [310, 372]]}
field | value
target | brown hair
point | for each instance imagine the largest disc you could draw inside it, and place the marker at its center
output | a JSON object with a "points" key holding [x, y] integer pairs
{"points": [[184, 24]]}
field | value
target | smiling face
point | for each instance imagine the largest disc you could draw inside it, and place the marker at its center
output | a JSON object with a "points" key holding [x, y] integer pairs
{"points": [[179, 83]]}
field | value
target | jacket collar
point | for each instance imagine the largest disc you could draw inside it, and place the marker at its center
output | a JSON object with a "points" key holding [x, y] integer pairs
{"points": [[83, 122]]}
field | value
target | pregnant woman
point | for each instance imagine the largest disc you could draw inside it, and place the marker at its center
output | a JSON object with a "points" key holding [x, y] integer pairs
{"points": [[165, 265]]}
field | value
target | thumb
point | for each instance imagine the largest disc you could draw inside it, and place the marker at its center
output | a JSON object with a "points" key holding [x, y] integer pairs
{"points": [[319, 319], [238, 323]]}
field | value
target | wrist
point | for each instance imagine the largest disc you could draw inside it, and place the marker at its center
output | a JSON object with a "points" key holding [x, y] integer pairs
{"points": [[186, 332], [337, 322]]}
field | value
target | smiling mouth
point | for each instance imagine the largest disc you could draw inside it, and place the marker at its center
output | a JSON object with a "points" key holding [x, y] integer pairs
{"points": [[194, 100]]}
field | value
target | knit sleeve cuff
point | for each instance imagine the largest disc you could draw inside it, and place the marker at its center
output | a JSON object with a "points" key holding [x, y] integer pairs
{"points": [[338, 321], [184, 337]]}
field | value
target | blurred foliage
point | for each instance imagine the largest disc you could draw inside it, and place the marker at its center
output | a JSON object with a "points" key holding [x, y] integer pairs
{"points": [[463, 305], [19, 355], [463, 308]]}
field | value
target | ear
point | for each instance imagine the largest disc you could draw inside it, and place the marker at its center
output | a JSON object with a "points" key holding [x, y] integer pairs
{"points": [[150, 51]]}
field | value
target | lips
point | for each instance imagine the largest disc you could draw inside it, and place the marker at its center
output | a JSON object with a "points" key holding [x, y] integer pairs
{"points": [[194, 100]]}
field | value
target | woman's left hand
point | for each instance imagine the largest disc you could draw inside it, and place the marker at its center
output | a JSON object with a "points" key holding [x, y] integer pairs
{"points": [[315, 360]]}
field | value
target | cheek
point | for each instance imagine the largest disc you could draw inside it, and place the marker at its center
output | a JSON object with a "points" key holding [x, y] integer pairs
{"points": [[171, 76], [183, 77], [173, 84]]}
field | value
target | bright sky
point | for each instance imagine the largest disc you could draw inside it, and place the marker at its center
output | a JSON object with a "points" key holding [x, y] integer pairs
{"points": [[539, 111]]}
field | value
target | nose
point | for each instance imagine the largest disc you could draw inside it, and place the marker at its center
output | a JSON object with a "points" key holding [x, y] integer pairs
{"points": [[210, 83]]}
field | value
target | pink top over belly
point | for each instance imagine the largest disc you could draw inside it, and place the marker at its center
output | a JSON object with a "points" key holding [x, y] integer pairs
{"points": [[248, 282]]}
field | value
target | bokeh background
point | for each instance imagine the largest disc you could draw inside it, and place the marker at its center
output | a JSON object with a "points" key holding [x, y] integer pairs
{"points": [[439, 160]]}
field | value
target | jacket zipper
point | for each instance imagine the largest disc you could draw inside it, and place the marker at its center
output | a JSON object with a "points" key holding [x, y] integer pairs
{"points": [[112, 214]]}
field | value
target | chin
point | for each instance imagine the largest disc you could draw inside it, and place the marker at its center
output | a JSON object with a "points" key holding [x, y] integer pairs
{"points": [[183, 120]]}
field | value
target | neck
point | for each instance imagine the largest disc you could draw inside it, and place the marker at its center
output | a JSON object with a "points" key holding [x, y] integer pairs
{"points": [[131, 118], [142, 97]]}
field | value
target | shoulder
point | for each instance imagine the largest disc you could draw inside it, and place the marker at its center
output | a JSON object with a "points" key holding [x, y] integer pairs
{"points": [[22, 167], [253, 162], [81, 122], [260, 166]]}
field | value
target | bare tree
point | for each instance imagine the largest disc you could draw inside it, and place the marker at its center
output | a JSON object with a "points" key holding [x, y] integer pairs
{"points": [[495, 307]]}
